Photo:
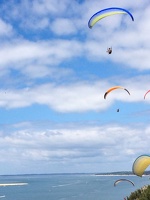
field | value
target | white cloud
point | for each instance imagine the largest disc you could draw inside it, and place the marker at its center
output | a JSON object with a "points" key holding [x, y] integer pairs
{"points": [[48, 7], [91, 144], [63, 26], [46, 52], [6, 29], [76, 97]]}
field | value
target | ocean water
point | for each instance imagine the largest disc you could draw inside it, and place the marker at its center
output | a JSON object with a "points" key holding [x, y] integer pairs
{"points": [[69, 187]]}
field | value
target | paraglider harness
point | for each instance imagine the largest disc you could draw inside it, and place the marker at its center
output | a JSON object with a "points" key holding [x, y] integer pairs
{"points": [[109, 50]]}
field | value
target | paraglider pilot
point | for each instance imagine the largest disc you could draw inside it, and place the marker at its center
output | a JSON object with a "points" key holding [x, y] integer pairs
{"points": [[109, 50]]}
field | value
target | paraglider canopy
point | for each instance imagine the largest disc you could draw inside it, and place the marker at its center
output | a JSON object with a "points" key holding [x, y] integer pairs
{"points": [[105, 13], [140, 165], [114, 88], [123, 179], [146, 93]]}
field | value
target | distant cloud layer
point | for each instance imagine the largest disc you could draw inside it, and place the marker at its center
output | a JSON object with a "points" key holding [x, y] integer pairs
{"points": [[80, 144]]}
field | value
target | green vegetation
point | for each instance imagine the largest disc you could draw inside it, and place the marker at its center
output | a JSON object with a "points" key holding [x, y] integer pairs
{"points": [[140, 194], [116, 173]]}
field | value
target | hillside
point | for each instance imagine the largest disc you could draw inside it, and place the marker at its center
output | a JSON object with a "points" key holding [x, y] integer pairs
{"points": [[140, 194]]}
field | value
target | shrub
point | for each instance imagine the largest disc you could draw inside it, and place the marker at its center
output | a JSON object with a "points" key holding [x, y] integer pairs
{"points": [[140, 194]]}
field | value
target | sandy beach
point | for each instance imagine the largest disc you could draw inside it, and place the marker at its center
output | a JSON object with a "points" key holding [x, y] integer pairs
{"points": [[12, 184]]}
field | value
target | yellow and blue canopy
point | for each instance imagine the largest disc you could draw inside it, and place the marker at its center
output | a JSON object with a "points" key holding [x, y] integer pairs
{"points": [[107, 12]]}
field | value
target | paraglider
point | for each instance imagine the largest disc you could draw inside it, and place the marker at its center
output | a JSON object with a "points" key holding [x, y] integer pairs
{"points": [[118, 110], [140, 165], [120, 180], [109, 50], [146, 93], [113, 88], [105, 13]]}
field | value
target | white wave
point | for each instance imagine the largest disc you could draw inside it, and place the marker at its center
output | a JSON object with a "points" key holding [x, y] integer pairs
{"points": [[63, 185], [2, 196], [12, 184]]}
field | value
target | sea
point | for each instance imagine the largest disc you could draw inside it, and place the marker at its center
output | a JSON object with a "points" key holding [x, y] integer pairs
{"points": [[69, 187]]}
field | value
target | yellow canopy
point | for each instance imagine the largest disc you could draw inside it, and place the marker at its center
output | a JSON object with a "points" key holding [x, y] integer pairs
{"points": [[140, 165]]}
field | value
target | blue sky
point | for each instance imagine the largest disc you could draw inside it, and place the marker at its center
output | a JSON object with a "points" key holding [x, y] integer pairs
{"points": [[54, 73]]}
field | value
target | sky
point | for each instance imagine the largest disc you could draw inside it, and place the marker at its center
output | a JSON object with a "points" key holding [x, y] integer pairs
{"points": [[54, 72]]}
